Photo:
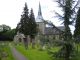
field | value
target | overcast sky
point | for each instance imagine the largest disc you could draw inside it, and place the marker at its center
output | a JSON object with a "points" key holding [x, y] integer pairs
{"points": [[11, 10]]}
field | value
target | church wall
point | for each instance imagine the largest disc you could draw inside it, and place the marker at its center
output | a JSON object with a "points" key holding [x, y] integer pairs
{"points": [[41, 27]]}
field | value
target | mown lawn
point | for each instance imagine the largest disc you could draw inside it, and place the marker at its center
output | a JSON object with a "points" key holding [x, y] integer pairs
{"points": [[35, 54], [5, 51]]}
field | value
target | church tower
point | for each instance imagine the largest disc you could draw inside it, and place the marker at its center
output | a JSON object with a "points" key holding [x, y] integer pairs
{"points": [[40, 21]]}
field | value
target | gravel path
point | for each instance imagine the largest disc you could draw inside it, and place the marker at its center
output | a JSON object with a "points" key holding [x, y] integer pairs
{"points": [[17, 55]]}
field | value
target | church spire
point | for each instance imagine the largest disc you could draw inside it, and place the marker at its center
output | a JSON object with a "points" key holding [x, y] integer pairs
{"points": [[39, 11], [39, 17]]}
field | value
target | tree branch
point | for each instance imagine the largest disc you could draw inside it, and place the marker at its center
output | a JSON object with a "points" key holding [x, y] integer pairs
{"points": [[60, 16], [76, 5], [61, 5]]}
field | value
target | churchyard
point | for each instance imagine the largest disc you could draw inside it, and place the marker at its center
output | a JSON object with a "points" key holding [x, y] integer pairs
{"points": [[30, 53], [40, 39]]}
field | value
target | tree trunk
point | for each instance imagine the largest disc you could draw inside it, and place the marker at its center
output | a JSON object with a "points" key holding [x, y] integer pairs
{"points": [[77, 48]]}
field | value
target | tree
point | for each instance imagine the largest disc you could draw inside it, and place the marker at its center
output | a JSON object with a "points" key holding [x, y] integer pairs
{"points": [[77, 29], [77, 25], [24, 22], [10, 34], [3, 30], [68, 11], [33, 27], [23, 26], [32, 23]]}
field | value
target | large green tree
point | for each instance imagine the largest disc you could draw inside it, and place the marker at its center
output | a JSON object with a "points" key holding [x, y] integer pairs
{"points": [[4, 28], [68, 9], [77, 29], [24, 22], [77, 25], [27, 24], [33, 27], [4, 35], [23, 25], [11, 33], [32, 24]]}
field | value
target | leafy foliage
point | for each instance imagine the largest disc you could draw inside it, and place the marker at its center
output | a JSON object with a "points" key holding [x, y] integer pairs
{"points": [[3, 30], [8, 35], [11, 33]]}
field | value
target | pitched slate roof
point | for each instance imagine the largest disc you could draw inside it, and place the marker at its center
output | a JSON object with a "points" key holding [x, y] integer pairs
{"points": [[61, 28], [53, 31]]}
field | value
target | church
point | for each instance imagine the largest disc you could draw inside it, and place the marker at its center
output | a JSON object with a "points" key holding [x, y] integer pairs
{"points": [[51, 31], [46, 29]]}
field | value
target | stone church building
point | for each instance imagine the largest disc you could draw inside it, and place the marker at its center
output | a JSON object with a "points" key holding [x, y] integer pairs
{"points": [[50, 31], [45, 29]]}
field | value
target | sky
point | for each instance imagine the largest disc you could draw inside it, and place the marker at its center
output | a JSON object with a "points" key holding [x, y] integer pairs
{"points": [[11, 10]]}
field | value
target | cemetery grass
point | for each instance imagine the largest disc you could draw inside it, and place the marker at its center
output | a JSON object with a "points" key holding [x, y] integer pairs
{"points": [[36, 54], [77, 57], [5, 48]]}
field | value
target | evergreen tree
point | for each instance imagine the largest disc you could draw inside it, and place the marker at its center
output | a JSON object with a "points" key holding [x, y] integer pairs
{"points": [[77, 29], [33, 26], [23, 26], [77, 25], [27, 24], [68, 10]]}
